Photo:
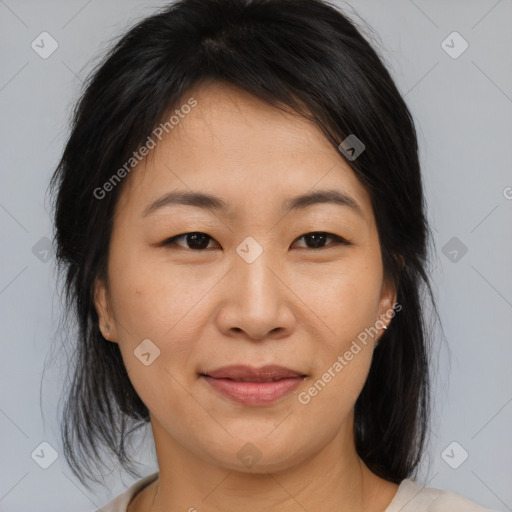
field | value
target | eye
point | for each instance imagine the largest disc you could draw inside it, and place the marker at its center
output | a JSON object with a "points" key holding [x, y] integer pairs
{"points": [[198, 241], [318, 239]]}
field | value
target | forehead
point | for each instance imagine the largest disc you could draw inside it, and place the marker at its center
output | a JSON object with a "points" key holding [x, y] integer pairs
{"points": [[234, 146]]}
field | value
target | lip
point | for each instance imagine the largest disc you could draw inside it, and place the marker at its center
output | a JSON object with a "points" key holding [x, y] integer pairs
{"points": [[254, 386]]}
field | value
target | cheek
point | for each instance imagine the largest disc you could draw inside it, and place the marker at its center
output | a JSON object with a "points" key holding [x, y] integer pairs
{"points": [[345, 297], [150, 299], [150, 305], [339, 370], [331, 396]]}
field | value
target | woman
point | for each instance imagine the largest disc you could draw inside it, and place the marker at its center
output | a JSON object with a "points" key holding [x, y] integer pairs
{"points": [[240, 216]]}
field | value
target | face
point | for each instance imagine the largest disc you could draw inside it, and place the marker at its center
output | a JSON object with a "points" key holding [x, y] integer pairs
{"points": [[260, 280]]}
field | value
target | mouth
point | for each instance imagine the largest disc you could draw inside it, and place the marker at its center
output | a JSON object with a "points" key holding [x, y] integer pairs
{"points": [[253, 386]]}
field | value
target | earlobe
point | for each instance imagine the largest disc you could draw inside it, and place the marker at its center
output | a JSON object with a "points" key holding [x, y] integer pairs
{"points": [[387, 298], [386, 308], [105, 320]]}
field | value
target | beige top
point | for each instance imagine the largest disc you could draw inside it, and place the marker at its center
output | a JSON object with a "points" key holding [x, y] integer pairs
{"points": [[410, 497]]}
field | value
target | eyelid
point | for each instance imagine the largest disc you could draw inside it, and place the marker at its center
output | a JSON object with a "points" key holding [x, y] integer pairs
{"points": [[171, 241], [336, 240]]}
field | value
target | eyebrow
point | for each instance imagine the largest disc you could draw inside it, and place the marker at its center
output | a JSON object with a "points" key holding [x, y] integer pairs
{"points": [[214, 203]]}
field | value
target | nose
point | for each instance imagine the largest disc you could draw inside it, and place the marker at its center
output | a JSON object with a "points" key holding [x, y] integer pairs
{"points": [[257, 303]]}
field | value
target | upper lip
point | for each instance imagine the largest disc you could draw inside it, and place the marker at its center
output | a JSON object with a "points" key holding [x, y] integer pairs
{"points": [[267, 373]]}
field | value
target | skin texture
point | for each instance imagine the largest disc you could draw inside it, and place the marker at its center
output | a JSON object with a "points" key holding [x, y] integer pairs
{"points": [[295, 306]]}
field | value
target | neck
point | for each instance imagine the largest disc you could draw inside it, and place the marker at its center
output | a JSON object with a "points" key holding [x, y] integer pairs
{"points": [[335, 477]]}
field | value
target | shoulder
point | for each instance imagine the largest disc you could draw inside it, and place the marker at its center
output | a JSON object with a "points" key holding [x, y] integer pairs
{"points": [[120, 503], [414, 497]]}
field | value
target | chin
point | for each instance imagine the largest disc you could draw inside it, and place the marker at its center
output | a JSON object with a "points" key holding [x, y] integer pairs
{"points": [[258, 454]]}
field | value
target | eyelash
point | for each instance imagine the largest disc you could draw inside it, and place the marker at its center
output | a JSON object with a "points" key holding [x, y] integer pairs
{"points": [[337, 240]]}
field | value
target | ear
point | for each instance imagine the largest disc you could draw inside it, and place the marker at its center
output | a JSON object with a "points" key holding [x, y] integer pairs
{"points": [[386, 306], [101, 303]]}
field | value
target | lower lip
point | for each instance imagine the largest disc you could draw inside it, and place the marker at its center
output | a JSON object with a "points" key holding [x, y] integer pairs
{"points": [[254, 393]]}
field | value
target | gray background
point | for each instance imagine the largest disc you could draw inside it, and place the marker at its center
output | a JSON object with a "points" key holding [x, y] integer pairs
{"points": [[462, 107]]}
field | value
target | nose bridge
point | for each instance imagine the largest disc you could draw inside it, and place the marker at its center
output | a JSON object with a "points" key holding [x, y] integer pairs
{"points": [[256, 300], [260, 287]]}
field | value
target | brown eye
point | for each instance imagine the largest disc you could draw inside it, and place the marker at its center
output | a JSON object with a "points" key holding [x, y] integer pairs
{"points": [[195, 241], [318, 240]]}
